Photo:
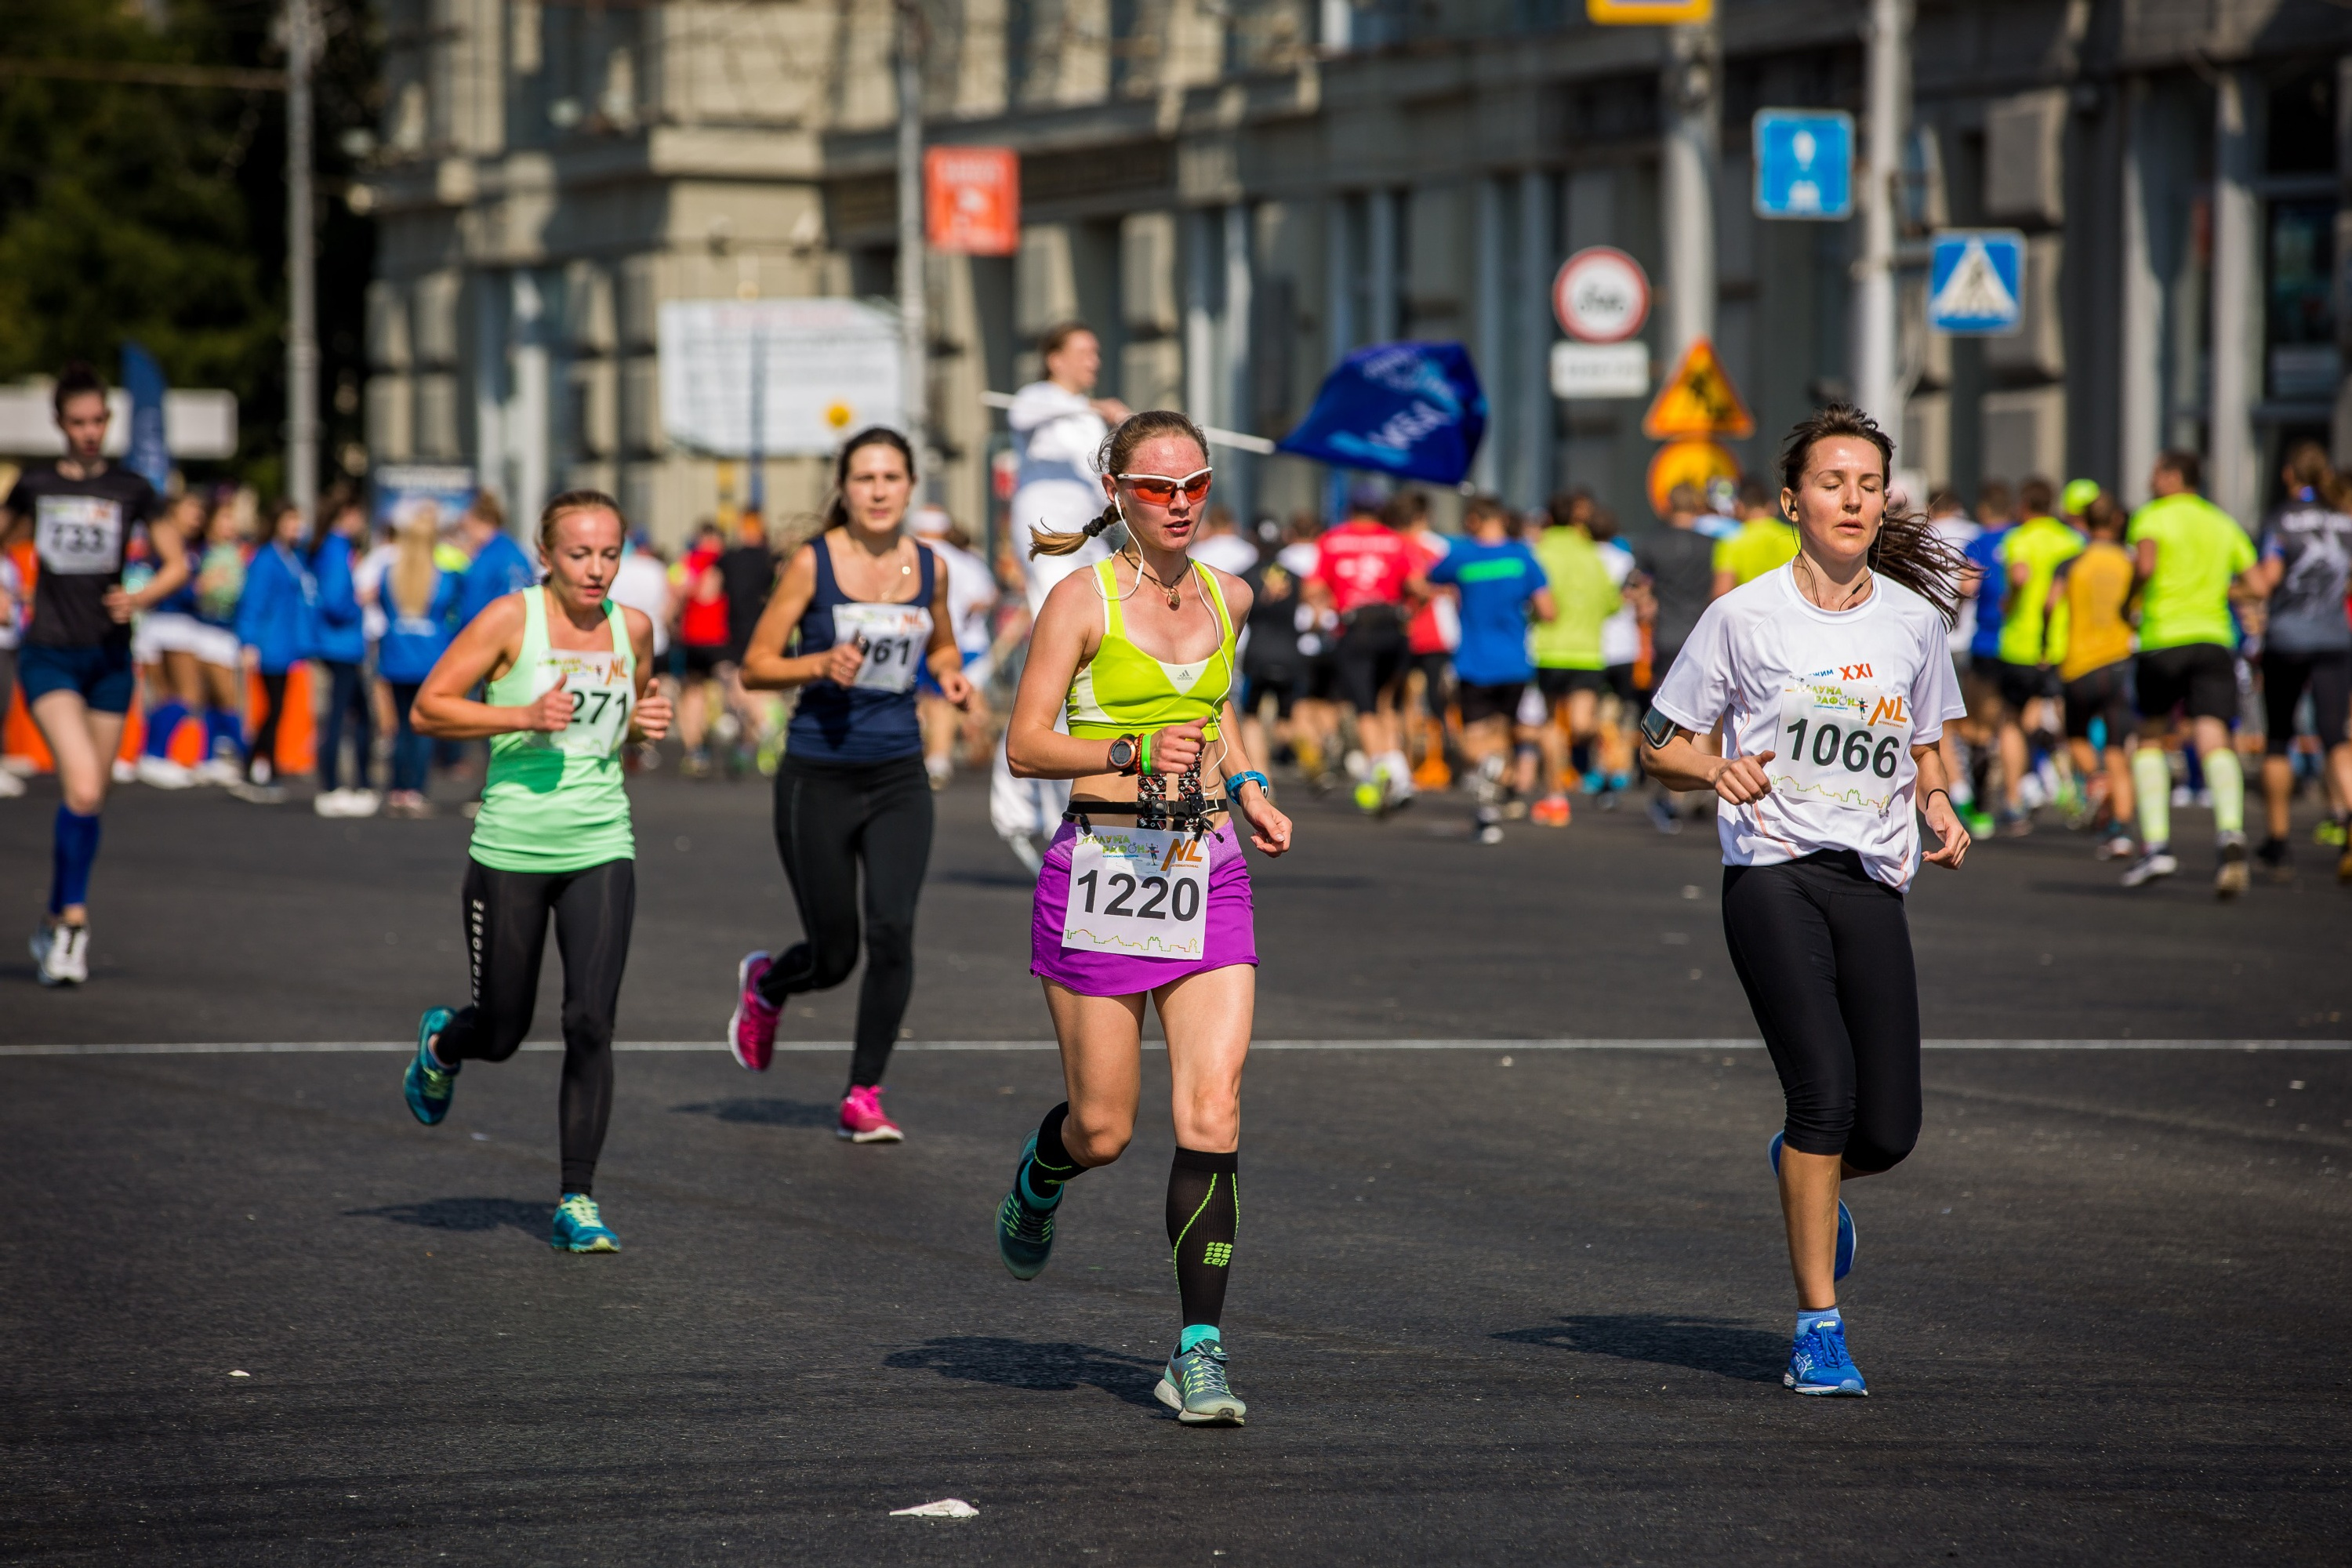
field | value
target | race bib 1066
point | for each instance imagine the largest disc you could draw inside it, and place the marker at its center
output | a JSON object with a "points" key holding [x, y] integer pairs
{"points": [[894, 636], [78, 536], [1139, 891], [1842, 743]]}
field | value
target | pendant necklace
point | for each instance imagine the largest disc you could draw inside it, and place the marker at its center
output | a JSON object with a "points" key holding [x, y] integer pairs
{"points": [[1168, 588]]}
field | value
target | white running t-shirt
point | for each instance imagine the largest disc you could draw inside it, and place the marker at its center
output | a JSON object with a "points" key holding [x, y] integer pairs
{"points": [[1839, 700]]}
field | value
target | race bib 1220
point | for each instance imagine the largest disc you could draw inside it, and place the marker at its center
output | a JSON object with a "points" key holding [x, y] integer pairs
{"points": [[1139, 891]]}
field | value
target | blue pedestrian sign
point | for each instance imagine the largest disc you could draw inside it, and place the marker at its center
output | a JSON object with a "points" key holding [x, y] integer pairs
{"points": [[1804, 162], [1976, 282]]}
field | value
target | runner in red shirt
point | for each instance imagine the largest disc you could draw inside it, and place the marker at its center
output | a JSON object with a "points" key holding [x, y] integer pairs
{"points": [[701, 644], [1430, 638], [1366, 573]]}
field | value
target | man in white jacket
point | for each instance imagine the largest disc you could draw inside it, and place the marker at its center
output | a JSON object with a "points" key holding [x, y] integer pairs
{"points": [[1058, 425]]}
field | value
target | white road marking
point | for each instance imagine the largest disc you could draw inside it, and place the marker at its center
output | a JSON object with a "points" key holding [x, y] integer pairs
{"points": [[275, 1047]]}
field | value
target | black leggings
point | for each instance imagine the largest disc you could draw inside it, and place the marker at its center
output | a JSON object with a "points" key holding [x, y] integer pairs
{"points": [[265, 736], [506, 933], [829, 817], [1824, 951]]}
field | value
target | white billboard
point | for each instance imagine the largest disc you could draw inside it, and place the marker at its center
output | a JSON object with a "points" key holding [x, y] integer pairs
{"points": [[817, 369]]}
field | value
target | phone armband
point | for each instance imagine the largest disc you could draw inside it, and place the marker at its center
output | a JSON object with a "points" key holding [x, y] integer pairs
{"points": [[1658, 729]]}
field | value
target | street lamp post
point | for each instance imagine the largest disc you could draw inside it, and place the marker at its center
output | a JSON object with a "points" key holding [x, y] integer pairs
{"points": [[1878, 383], [302, 308], [913, 334]]}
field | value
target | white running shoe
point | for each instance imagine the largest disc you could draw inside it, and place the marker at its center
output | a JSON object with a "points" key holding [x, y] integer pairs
{"points": [[2157, 862], [329, 802], [61, 955], [162, 772], [125, 773], [220, 771], [11, 787], [363, 802]]}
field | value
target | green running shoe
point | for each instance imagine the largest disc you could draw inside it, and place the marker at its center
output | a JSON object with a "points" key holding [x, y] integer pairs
{"points": [[1024, 1233], [429, 1088], [1194, 1387], [580, 1228]]}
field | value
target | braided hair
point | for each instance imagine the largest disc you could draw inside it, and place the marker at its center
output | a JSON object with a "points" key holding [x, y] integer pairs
{"points": [[1116, 450]]}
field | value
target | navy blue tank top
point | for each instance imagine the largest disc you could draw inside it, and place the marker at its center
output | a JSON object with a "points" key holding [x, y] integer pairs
{"points": [[873, 720]]}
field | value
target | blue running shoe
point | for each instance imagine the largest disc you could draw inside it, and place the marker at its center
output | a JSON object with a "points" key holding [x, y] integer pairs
{"points": [[1024, 1233], [1818, 1364], [1194, 1387], [1845, 1242], [429, 1088], [580, 1228]]}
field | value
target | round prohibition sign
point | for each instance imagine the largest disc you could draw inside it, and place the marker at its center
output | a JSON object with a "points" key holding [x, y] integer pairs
{"points": [[1600, 295]]}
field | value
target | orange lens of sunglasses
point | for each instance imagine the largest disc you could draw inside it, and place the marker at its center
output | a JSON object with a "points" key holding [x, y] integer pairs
{"points": [[1159, 491]]}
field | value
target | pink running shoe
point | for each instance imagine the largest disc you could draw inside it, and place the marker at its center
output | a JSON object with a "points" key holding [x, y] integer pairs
{"points": [[861, 1120], [751, 1032]]}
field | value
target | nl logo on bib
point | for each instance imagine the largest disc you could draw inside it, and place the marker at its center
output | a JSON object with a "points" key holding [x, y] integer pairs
{"points": [[1138, 891], [1843, 740]]}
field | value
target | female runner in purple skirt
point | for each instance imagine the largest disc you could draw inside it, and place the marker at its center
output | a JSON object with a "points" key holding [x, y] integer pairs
{"points": [[1145, 892]]}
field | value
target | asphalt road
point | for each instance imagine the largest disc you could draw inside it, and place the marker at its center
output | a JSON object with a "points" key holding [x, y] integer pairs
{"points": [[1493, 1303]]}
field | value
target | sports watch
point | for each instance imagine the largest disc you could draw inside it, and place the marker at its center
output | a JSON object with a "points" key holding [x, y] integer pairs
{"points": [[1123, 752]]}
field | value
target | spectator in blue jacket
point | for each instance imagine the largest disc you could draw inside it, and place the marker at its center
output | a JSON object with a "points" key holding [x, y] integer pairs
{"points": [[499, 566], [341, 645], [273, 627], [420, 606]]}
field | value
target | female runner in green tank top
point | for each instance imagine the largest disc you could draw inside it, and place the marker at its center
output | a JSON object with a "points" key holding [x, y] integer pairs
{"points": [[1145, 894], [570, 680]]}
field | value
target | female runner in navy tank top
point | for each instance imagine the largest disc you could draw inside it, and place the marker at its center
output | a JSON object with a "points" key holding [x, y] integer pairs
{"points": [[868, 605]]}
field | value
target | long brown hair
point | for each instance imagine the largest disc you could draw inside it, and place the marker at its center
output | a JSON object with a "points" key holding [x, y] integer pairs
{"points": [[1906, 549], [837, 508], [1116, 452]]}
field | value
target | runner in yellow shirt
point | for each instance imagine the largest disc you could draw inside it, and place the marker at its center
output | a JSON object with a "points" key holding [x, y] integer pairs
{"points": [[2191, 553], [2092, 589], [1765, 543]]}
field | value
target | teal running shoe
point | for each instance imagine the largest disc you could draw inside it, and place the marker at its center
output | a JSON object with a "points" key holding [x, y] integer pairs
{"points": [[1845, 1241], [1024, 1233], [580, 1228], [1194, 1387], [1818, 1364], [429, 1088]]}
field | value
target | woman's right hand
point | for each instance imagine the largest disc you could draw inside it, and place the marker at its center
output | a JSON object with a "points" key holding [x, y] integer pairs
{"points": [[1177, 749], [551, 712], [844, 662], [1742, 781]]}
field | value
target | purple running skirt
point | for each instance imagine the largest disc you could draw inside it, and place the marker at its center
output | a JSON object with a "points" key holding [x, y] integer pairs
{"points": [[1231, 936]]}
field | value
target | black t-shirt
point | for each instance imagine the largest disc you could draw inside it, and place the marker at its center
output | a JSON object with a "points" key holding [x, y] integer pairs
{"points": [[1273, 622], [748, 575], [81, 530], [1680, 564]]}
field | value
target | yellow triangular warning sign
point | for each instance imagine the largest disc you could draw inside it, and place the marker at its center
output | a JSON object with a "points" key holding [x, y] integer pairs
{"points": [[1698, 399]]}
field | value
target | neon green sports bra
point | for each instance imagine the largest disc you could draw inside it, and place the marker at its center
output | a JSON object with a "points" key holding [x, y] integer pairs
{"points": [[1124, 690]]}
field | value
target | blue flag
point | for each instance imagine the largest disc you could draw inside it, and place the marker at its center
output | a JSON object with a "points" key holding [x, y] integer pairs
{"points": [[150, 457], [1414, 410]]}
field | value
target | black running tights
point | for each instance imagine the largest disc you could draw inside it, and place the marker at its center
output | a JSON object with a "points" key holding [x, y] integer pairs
{"points": [[1825, 952], [830, 817], [506, 933]]}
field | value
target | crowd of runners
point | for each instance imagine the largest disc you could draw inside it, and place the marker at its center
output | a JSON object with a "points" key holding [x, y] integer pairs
{"points": [[1821, 664]]}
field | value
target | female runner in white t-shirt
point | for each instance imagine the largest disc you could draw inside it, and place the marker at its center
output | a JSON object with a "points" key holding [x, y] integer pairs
{"points": [[1833, 682]]}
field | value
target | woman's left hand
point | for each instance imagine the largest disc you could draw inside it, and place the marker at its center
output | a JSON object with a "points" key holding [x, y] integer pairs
{"points": [[1946, 824], [955, 688], [1269, 828], [652, 715]]}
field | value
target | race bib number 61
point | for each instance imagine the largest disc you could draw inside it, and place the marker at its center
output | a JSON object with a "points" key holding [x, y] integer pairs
{"points": [[1843, 744], [1143, 893]]}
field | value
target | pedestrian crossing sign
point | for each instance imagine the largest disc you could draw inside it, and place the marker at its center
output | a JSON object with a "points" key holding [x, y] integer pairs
{"points": [[1647, 13], [1698, 400], [1976, 282]]}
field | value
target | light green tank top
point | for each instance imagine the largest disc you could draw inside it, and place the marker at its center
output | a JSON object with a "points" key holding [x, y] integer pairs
{"points": [[1124, 690], [555, 802]]}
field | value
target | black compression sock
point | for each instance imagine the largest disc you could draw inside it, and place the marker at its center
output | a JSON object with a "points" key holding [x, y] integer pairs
{"points": [[1049, 1164], [1204, 1211]]}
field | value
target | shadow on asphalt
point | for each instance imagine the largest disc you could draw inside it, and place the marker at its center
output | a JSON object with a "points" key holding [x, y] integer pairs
{"points": [[464, 1214], [1720, 1345], [765, 1113], [1046, 1367]]}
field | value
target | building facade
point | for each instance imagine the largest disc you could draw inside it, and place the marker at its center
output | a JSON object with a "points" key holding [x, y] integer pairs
{"points": [[1237, 192]]}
